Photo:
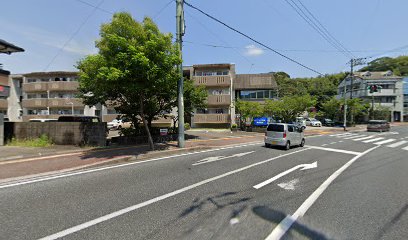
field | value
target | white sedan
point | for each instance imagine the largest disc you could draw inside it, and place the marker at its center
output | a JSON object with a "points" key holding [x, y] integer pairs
{"points": [[315, 123]]}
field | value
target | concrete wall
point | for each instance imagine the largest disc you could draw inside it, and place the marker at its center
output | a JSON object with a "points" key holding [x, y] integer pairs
{"points": [[63, 133]]}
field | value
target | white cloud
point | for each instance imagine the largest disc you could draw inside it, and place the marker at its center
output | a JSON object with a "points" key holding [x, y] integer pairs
{"points": [[252, 50]]}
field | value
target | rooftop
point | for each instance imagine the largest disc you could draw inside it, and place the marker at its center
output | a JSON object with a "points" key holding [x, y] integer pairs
{"points": [[376, 75]]}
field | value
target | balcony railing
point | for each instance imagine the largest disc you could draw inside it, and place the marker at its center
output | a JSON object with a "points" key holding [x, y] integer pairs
{"points": [[51, 86], [212, 81], [219, 100], [211, 118], [52, 103]]}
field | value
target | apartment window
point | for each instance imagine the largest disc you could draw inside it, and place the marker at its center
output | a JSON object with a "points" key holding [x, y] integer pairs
{"points": [[211, 73], [31, 80], [45, 80], [43, 95], [219, 111], [257, 94], [224, 91], [37, 112], [3, 112]]}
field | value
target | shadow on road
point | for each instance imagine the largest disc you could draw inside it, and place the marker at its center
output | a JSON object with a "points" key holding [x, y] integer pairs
{"points": [[276, 217]]}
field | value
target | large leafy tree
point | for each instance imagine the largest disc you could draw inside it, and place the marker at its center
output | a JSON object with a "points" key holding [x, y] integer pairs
{"points": [[288, 108], [135, 70], [248, 109], [331, 108], [398, 65]]}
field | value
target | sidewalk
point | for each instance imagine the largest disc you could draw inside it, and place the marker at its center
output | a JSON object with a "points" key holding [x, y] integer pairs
{"points": [[55, 160]]}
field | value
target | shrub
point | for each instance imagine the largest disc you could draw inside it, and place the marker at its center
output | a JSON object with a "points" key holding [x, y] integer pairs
{"points": [[234, 126], [42, 141], [186, 126]]}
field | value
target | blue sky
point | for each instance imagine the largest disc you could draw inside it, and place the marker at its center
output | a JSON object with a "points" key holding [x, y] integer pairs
{"points": [[42, 27]]}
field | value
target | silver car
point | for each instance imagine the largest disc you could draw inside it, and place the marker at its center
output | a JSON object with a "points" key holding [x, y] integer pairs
{"points": [[284, 135]]}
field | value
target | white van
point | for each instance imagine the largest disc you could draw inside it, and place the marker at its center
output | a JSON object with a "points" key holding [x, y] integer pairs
{"points": [[284, 135]]}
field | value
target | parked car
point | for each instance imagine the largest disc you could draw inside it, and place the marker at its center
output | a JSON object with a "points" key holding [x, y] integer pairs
{"points": [[284, 135], [328, 122], [117, 124], [43, 120], [73, 118], [313, 122], [378, 126], [301, 122]]}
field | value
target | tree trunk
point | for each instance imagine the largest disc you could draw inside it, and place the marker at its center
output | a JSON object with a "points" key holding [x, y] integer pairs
{"points": [[149, 136]]}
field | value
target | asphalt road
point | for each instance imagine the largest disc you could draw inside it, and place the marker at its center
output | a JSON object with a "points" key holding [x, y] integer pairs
{"points": [[350, 186]]}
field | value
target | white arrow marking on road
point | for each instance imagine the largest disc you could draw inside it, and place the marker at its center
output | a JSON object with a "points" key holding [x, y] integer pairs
{"points": [[217, 158], [289, 185], [302, 166]]}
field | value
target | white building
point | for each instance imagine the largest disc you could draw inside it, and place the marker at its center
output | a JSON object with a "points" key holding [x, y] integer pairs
{"points": [[390, 93]]}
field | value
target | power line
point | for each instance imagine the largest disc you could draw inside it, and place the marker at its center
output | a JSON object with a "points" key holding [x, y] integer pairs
{"points": [[95, 6], [247, 36], [74, 34], [162, 9], [291, 50], [324, 28], [317, 28], [218, 37]]}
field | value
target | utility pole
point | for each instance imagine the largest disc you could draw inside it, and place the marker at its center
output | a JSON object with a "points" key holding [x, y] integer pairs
{"points": [[180, 87], [353, 62], [345, 105]]}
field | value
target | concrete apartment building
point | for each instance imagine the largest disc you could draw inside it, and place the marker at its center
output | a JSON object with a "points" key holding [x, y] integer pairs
{"points": [[390, 95], [48, 95], [405, 82], [4, 91], [224, 87]]}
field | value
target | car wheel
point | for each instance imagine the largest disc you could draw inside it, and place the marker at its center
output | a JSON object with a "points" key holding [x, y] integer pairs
{"points": [[302, 143], [267, 145], [287, 146]]}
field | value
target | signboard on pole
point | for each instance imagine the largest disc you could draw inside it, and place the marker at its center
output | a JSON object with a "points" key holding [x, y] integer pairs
{"points": [[261, 121], [163, 131]]}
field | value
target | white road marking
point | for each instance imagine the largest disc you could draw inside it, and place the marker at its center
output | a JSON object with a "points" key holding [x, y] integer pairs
{"points": [[109, 216], [385, 141], [397, 144], [334, 150], [280, 230], [405, 148], [341, 141], [300, 166], [373, 140], [349, 135], [69, 174], [217, 158], [324, 144], [359, 139], [339, 134], [358, 136], [289, 185]]}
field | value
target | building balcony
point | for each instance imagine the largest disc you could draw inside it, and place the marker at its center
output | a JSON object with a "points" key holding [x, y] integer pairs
{"points": [[35, 103], [52, 103], [211, 118], [219, 100], [61, 102], [51, 86], [212, 81], [3, 104]]}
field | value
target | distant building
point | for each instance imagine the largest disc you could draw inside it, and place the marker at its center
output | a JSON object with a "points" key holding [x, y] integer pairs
{"points": [[224, 86], [405, 82], [389, 95]]}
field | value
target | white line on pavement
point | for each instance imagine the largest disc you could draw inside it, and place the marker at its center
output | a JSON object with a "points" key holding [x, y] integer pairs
{"points": [[287, 222], [156, 199], [339, 134], [357, 136], [51, 177], [405, 148], [334, 150], [373, 140], [397, 144], [385, 141], [363, 138]]}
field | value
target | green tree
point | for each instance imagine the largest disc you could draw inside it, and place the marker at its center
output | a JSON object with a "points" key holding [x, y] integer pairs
{"points": [[249, 110], [288, 108], [331, 108], [381, 113], [135, 70], [356, 108], [398, 65]]}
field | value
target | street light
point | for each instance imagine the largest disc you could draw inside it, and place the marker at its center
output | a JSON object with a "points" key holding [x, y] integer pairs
{"points": [[48, 104]]}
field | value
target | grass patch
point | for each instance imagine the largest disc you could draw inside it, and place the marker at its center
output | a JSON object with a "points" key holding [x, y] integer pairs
{"points": [[42, 141]]}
